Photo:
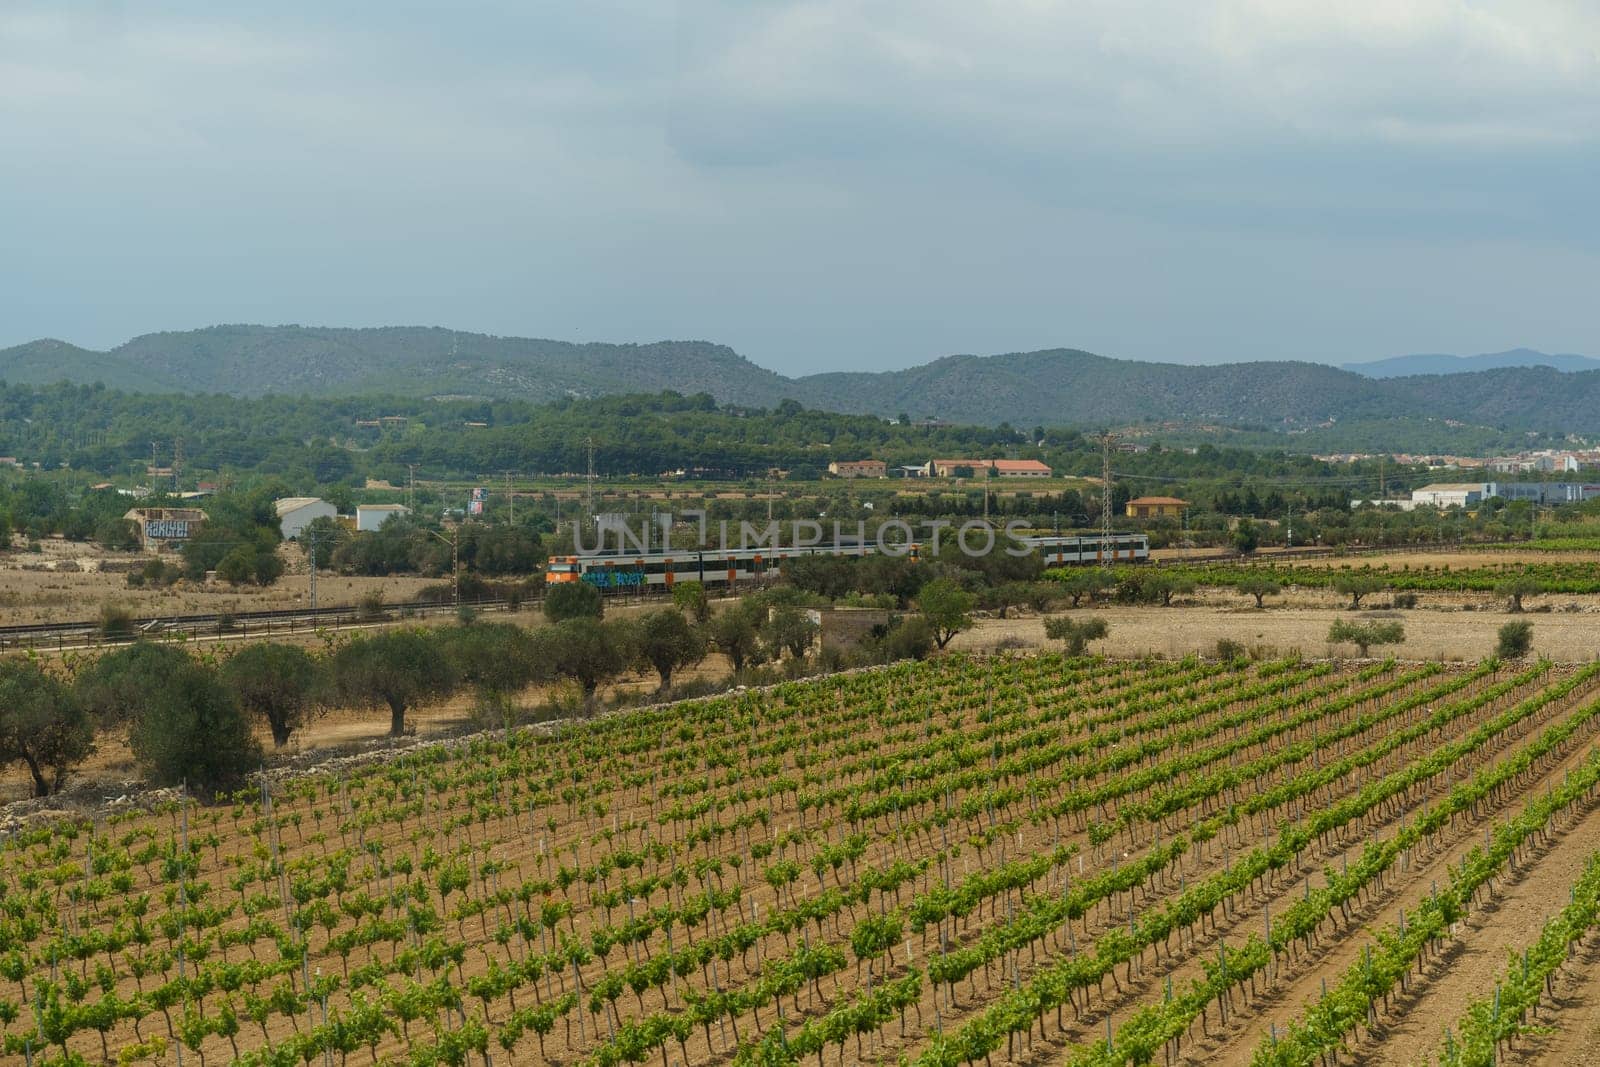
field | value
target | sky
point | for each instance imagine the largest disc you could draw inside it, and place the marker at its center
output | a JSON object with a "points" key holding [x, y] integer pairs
{"points": [[820, 185]]}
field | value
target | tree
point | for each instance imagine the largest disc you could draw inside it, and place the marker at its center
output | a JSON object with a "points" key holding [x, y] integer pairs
{"points": [[190, 729], [947, 607], [734, 633], [667, 642], [691, 596], [117, 534], [1366, 634], [321, 539], [250, 565], [284, 684], [1246, 538], [1076, 635], [1516, 640], [910, 638], [1260, 587], [1035, 595], [115, 688], [1356, 586], [498, 658], [788, 630], [587, 650], [42, 724], [398, 669], [1086, 583], [572, 600], [1162, 587], [238, 567], [1512, 590]]}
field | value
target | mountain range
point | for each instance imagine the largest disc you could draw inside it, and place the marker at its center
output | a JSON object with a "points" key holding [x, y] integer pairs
{"points": [[1054, 387], [1438, 363]]}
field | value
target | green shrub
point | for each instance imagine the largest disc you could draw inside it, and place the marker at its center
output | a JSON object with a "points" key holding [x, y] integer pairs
{"points": [[1515, 640]]}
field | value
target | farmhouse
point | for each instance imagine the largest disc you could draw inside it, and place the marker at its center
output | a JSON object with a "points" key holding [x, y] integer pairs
{"points": [[163, 528], [1156, 507], [295, 513], [1000, 468], [859, 468]]}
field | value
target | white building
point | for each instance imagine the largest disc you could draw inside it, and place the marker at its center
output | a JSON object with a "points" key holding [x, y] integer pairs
{"points": [[1471, 494], [1450, 495], [369, 517], [296, 512]]}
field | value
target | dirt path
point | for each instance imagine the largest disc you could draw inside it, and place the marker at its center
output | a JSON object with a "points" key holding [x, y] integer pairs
{"points": [[1512, 920], [1286, 1002], [1574, 1018]]}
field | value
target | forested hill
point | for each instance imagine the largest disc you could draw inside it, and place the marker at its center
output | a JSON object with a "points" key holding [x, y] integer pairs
{"points": [[1059, 387]]}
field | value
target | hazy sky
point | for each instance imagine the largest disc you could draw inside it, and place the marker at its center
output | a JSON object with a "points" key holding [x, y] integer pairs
{"points": [[821, 185]]}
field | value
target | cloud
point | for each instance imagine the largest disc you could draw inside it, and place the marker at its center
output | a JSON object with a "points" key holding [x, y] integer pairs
{"points": [[824, 180]]}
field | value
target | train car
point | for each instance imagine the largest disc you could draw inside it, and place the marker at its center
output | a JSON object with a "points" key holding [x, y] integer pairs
{"points": [[614, 573], [710, 567], [1091, 548]]}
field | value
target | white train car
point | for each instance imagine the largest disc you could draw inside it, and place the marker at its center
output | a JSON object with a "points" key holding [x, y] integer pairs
{"points": [[622, 573]]}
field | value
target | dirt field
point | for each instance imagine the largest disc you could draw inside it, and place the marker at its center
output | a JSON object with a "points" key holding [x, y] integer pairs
{"points": [[68, 582], [1564, 635]]}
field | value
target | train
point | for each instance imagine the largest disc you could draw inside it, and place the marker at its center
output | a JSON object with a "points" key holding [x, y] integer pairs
{"points": [[624, 573]]}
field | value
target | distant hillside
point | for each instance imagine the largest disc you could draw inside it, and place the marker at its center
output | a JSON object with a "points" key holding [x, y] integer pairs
{"points": [[1069, 387], [1060, 387], [48, 361], [253, 360], [1404, 366]]}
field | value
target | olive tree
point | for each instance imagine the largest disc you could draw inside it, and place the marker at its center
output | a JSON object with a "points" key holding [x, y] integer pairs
{"points": [[283, 684], [588, 651], [734, 632], [1366, 634], [787, 629], [666, 642], [1356, 586], [947, 607], [192, 730], [1074, 634], [398, 669], [184, 724], [690, 596], [115, 687], [572, 600], [42, 724], [1512, 590], [1260, 587], [1086, 583]]}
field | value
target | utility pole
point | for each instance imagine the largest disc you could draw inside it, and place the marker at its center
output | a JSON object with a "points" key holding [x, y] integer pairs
{"points": [[177, 465], [411, 486], [454, 541], [312, 556], [511, 500], [1106, 441], [588, 486]]}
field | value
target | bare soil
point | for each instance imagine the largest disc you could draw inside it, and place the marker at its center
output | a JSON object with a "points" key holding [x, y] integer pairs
{"points": [[1566, 636]]}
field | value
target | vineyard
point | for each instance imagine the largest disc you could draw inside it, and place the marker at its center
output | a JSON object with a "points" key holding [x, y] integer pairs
{"points": [[974, 860], [1567, 577]]}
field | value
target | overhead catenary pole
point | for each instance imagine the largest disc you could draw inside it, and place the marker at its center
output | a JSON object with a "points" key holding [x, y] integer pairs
{"points": [[588, 482], [1106, 440]]}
